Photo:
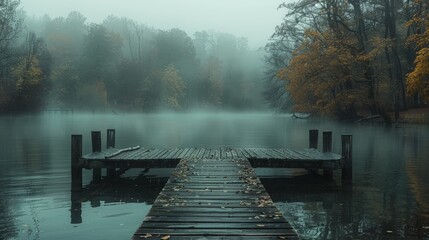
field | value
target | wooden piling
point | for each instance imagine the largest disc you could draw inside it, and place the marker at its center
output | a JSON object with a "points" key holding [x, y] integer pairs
{"points": [[110, 138], [76, 208], [96, 141], [346, 153], [76, 168], [327, 147], [111, 172], [327, 141], [96, 148], [313, 138]]}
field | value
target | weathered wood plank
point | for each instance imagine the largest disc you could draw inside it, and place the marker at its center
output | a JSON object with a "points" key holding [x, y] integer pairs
{"points": [[253, 153], [128, 154], [152, 153], [293, 154], [189, 153], [271, 153], [255, 231], [222, 153], [201, 153], [211, 154], [184, 153], [282, 154], [212, 198], [171, 153], [199, 219], [161, 154], [212, 225], [217, 237], [245, 154], [144, 153], [206, 154], [217, 153], [259, 157], [137, 154], [177, 154], [194, 153]]}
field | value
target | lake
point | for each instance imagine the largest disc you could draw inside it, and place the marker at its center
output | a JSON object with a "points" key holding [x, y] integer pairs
{"points": [[389, 198]]}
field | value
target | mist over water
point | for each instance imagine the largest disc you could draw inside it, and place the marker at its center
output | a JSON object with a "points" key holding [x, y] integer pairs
{"points": [[389, 198]]}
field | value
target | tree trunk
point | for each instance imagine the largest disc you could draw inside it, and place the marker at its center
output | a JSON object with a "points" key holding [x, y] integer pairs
{"points": [[399, 86]]}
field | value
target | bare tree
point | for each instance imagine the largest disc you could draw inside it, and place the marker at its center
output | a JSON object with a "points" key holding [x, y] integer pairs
{"points": [[10, 27]]}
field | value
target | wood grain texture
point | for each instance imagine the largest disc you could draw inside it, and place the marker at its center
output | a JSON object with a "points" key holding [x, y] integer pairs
{"points": [[259, 157], [215, 199]]}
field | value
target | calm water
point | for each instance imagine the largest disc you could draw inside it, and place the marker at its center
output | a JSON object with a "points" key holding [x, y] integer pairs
{"points": [[388, 200]]}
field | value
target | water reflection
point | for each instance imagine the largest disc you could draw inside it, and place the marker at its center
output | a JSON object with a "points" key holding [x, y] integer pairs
{"points": [[389, 198], [321, 209], [141, 189], [8, 229]]}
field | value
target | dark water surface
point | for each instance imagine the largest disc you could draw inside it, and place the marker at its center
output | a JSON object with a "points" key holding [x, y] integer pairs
{"points": [[389, 198]]}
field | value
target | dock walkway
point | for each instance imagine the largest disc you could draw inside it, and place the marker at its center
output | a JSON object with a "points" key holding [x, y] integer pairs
{"points": [[136, 157], [214, 199], [213, 192]]}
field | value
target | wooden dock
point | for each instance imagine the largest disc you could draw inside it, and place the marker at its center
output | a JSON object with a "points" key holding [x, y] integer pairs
{"points": [[136, 157], [213, 193], [214, 199]]}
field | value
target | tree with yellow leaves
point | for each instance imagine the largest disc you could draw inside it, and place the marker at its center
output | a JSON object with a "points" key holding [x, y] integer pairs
{"points": [[418, 79], [319, 76], [29, 84], [174, 87], [31, 75]]}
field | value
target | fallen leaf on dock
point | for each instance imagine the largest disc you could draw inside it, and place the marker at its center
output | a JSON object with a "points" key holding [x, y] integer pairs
{"points": [[148, 235]]}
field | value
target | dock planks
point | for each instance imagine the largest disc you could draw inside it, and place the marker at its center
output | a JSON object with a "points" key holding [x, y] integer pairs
{"points": [[137, 157], [214, 199]]}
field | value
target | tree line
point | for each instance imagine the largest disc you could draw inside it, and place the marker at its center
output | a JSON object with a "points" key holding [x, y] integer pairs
{"points": [[121, 64], [348, 59]]}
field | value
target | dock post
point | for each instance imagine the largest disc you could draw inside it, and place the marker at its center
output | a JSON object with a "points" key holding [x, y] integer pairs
{"points": [[313, 138], [111, 134], [346, 153], [96, 148], [76, 208], [96, 141], [327, 141], [327, 147], [76, 168], [110, 138]]}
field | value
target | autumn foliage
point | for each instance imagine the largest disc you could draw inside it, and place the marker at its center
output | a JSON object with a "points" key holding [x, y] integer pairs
{"points": [[418, 79], [348, 59], [319, 75]]}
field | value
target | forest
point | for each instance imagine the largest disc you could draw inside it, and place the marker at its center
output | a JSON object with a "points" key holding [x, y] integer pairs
{"points": [[340, 59], [348, 59], [121, 64]]}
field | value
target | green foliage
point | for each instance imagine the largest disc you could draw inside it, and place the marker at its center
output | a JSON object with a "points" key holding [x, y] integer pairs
{"points": [[66, 82], [174, 88], [122, 64], [30, 84], [101, 49]]}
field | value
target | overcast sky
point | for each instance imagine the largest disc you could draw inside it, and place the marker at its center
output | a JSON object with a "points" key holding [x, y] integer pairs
{"points": [[253, 19]]}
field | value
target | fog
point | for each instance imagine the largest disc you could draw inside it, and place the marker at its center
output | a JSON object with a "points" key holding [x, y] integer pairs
{"points": [[254, 20], [135, 56]]}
